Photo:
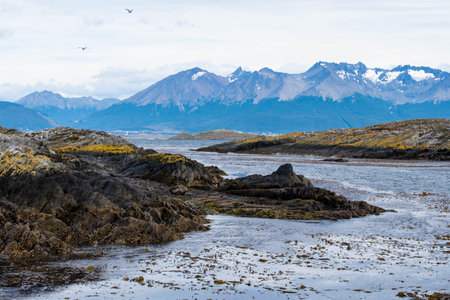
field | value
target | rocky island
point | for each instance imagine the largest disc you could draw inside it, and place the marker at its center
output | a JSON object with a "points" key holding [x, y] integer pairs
{"points": [[220, 134], [64, 188], [427, 139]]}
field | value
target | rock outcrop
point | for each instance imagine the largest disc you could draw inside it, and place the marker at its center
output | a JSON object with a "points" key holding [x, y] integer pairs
{"points": [[174, 169], [62, 188], [285, 195]]}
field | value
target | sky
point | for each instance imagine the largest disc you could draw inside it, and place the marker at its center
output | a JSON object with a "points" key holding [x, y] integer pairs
{"points": [[127, 52]]}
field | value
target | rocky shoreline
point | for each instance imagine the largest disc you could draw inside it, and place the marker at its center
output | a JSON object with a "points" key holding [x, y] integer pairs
{"points": [[62, 188], [415, 139]]}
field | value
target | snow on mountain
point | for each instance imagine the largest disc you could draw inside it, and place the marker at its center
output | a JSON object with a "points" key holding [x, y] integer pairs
{"points": [[420, 75], [190, 87], [235, 75], [403, 84], [198, 75], [258, 85]]}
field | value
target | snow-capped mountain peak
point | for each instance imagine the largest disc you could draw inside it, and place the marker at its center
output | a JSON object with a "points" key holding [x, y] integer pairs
{"points": [[336, 81], [235, 75]]}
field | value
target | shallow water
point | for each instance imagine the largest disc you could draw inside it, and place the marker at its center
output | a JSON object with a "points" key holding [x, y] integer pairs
{"points": [[243, 258]]}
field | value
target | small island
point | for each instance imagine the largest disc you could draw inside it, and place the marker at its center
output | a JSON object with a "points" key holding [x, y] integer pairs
{"points": [[427, 139], [220, 134]]}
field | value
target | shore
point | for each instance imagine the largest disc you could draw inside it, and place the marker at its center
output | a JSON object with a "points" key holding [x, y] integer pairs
{"points": [[407, 241]]}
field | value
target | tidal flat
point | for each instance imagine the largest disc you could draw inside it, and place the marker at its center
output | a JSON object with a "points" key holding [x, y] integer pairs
{"points": [[395, 254]]}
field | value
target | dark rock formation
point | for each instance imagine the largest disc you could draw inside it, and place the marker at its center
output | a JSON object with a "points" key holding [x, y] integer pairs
{"points": [[174, 169], [284, 194], [283, 177], [57, 195], [336, 159]]}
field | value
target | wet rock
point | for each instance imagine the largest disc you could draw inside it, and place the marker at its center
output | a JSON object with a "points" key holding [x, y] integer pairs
{"points": [[336, 159], [174, 169], [179, 190], [283, 177], [286, 195]]}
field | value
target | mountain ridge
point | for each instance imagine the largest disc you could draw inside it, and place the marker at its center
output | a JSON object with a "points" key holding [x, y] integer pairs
{"points": [[401, 84], [64, 111], [47, 98]]}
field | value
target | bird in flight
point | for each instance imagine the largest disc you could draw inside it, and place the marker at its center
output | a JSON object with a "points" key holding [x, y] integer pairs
{"points": [[129, 10], [82, 48]]}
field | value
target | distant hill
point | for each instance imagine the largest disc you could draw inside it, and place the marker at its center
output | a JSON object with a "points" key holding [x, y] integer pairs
{"points": [[18, 117], [65, 111], [413, 139], [221, 134]]}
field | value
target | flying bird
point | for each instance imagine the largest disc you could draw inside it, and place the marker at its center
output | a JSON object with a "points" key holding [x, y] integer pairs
{"points": [[82, 48], [129, 10]]}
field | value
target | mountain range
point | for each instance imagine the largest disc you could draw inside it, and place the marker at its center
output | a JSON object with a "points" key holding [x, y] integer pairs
{"points": [[64, 111], [328, 95], [334, 81]]}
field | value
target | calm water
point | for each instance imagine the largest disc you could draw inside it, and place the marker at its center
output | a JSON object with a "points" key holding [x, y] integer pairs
{"points": [[373, 257]]}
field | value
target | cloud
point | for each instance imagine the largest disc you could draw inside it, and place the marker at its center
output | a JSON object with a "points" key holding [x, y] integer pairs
{"points": [[445, 67], [94, 22], [181, 24], [6, 33], [293, 67], [7, 8]]}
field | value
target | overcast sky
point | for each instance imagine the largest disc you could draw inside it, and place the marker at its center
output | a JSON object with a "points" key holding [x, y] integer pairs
{"points": [[128, 52]]}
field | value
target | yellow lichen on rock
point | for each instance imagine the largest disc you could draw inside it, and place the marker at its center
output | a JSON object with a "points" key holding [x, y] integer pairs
{"points": [[23, 163], [292, 136], [404, 135], [249, 141], [115, 149], [167, 158]]}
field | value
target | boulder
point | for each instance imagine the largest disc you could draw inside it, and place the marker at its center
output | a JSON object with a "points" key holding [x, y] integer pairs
{"points": [[174, 169]]}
